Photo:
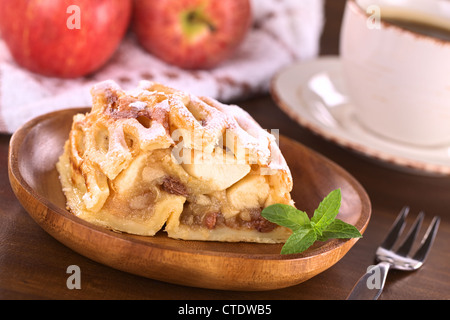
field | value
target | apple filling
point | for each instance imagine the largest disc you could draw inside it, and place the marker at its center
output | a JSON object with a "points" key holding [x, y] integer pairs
{"points": [[211, 219], [215, 211], [209, 203], [159, 159]]}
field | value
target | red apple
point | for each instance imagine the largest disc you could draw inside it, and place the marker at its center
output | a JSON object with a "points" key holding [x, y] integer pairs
{"points": [[63, 38], [191, 34]]}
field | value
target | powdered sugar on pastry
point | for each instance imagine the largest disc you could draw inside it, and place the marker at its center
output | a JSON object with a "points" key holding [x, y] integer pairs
{"points": [[156, 156]]}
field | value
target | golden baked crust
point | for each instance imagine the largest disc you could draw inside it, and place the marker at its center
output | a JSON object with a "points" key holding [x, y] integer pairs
{"points": [[156, 156]]}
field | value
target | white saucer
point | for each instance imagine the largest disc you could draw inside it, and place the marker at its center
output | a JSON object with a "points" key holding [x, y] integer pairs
{"points": [[313, 93]]}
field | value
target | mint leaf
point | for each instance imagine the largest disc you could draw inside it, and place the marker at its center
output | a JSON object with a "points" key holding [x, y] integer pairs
{"points": [[300, 240], [327, 211], [339, 229], [322, 226], [286, 216]]}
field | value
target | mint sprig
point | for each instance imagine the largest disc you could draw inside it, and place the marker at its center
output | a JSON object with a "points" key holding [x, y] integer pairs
{"points": [[322, 226]]}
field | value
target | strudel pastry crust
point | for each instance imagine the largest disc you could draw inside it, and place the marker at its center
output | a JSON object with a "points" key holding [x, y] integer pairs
{"points": [[155, 158]]}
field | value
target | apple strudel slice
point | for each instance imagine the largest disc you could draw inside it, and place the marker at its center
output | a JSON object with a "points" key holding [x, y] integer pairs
{"points": [[155, 158]]}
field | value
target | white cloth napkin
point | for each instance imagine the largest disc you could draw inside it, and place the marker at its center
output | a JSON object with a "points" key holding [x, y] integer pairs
{"points": [[283, 31]]}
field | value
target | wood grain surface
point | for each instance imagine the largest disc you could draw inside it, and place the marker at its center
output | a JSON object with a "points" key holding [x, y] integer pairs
{"points": [[35, 148], [33, 265]]}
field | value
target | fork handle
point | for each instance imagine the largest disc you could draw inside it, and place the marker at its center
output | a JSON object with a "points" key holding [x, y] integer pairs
{"points": [[371, 284]]}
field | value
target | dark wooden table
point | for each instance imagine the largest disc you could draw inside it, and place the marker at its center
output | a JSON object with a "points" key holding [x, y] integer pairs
{"points": [[33, 265]]}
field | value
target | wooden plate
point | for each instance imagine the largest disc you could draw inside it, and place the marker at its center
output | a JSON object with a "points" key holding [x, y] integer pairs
{"points": [[36, 146]]}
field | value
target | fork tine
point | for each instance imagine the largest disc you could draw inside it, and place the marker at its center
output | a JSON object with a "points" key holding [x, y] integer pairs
{"points": [[396, 229], [405, 247], [427, 240]]}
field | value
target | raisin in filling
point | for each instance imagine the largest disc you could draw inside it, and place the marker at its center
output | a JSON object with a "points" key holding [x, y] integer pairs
{"points": [[214, 219], [174, 186]]}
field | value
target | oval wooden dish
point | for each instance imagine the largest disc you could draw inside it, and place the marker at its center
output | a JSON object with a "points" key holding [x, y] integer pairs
{"points": [[36, 146]]}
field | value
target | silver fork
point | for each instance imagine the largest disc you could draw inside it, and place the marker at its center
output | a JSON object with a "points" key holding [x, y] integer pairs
{"points": [[370, 286]]}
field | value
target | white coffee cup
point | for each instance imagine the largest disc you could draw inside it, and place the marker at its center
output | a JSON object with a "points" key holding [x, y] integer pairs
{"points": [[398, 80]]}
